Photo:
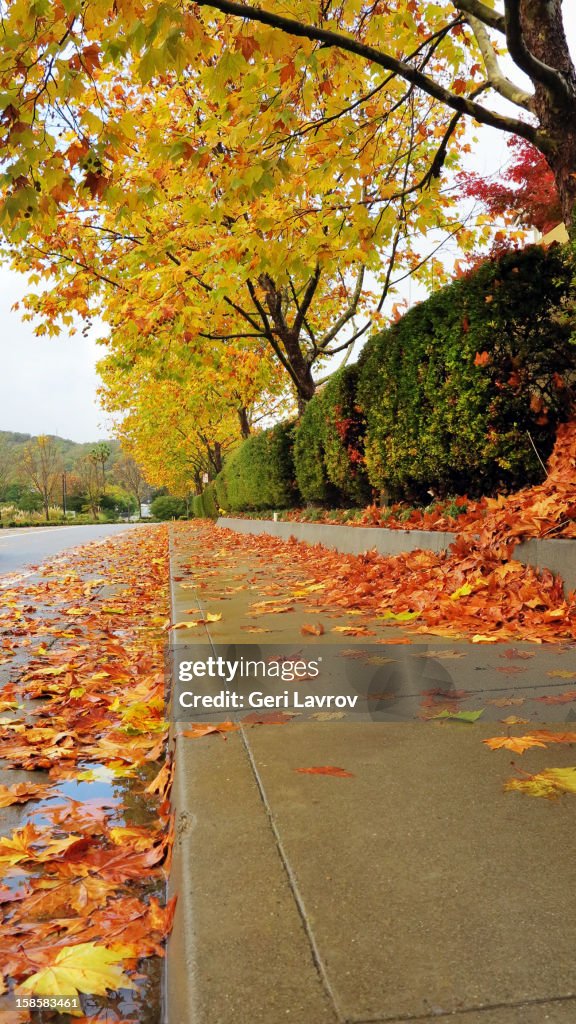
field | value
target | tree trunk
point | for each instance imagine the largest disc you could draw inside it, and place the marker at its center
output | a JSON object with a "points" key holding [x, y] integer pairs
{"points": [[543, 32], [244, 422]]}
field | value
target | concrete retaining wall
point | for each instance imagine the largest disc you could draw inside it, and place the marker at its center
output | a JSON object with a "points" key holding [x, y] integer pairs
{"points": [[557, 555]]}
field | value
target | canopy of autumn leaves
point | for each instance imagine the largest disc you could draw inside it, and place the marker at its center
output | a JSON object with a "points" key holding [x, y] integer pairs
{"points": [[213, 188]]}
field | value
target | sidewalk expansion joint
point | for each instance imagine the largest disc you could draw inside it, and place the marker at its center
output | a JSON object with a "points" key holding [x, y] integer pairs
{"points": [[292, 882], [440, 1014]]}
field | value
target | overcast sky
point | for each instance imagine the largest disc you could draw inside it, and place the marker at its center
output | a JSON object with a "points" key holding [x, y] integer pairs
{"points": [[49, 385]]}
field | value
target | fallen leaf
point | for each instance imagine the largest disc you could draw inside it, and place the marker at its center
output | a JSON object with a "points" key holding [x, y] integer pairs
{"points": [[550, 783], [506, 702], [86, 967], [460, 716], [340, 773], [560, 698], [22, 792], [518, 744], [312, 630], [199, 729], [268, 718]]}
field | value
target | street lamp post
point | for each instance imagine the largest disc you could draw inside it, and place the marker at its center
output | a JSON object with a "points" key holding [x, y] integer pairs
{"points": [[64, 493]]}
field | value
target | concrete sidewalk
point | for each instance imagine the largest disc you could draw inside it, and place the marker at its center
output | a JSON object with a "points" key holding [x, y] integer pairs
{"points": [[414, 890]]}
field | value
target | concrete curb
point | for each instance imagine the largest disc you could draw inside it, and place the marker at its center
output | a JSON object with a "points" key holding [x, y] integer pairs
{"points": [[559, 556]]}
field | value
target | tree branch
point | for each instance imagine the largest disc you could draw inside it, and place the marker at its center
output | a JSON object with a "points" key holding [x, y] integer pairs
{"points": [[483, 13], [536, 69], [347, 43], [346, 315], [496, 77], [304, 306]]}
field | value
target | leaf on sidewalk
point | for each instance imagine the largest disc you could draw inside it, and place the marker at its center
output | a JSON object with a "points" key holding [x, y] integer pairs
{"points": [[551, 783], [353, 630], [518, 744], [312, 629], [339, 773], [269, 718], [200, 729], [459, 716], [559, 698]]}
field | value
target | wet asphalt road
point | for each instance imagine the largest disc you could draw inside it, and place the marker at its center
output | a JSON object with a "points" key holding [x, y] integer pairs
{"points": [[22, 549]]}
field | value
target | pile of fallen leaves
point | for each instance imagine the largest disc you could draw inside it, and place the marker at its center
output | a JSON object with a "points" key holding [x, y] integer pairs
{"points": [[546, 510], [475, 590], [83, 878]]}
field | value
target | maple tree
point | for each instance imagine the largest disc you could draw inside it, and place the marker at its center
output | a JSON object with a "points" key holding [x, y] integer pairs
{"points": [[525, 193], [174, 227], [199, 411]]}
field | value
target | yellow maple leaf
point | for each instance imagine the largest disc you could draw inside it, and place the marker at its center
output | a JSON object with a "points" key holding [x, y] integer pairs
{"points": [[516, 743], [548, 783], [84, 968]]}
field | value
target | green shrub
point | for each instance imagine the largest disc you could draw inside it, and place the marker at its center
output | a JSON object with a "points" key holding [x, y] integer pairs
{"points": [[259, 474], [168, 507], [209, 502], [455, 393], [329, 444]]}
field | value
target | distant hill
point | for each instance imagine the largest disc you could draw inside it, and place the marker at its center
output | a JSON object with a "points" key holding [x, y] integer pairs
{"points": [[70, 450]]}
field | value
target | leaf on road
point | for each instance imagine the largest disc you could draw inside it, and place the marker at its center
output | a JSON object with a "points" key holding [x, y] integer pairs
{"points": [[85, 968], [311, 629], [22, 792], [339, 773]]}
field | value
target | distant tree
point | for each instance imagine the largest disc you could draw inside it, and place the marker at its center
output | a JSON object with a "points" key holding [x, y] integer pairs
{"points": [[88, 471], [6, 470], [99, 455], [42, 467], [128, 473], [117, 502]]}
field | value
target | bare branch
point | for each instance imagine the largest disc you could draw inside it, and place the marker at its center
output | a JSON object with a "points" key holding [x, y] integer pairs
{"points": [[496, 77], [346, 315]]}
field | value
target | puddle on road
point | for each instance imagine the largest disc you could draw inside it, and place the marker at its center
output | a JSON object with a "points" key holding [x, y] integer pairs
{"points": [[124, 803]]}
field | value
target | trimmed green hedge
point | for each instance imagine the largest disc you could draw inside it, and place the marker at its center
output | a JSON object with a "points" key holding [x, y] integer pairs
{"points": [[260, 473], [455, 393], [205, 506], [167, 507], [329, 445], [452, 399]]}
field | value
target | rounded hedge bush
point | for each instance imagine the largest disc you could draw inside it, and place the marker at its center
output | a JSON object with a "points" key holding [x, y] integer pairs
{"points": [[461, 390]]}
